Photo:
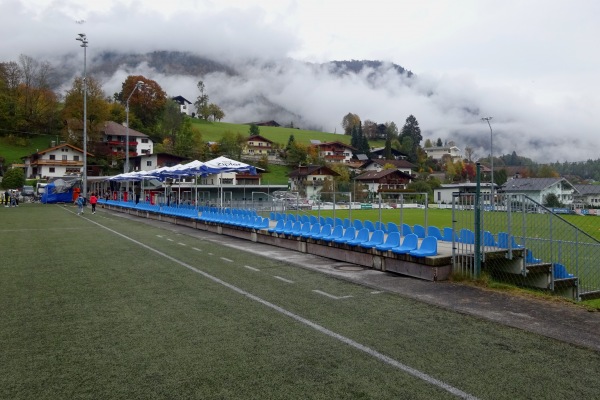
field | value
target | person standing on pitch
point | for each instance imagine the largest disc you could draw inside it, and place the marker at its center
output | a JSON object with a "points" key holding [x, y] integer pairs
{"points": [[93, 201]]}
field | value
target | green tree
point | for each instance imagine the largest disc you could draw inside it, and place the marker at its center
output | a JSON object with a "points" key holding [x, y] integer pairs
{"points": [[349, 122], [13, 178], [171, 122], [296, 155], [232, 144], [439, 142], [202, 100], [411, 130], [551, 200], [254, 130], [215, 112]]}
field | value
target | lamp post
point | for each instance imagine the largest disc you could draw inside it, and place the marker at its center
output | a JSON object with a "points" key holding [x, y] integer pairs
{"points": [[84, 43], [126, 166], [487, 119]]}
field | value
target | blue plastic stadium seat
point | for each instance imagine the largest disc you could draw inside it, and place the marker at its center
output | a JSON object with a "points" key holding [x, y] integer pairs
{"points": [[337, 221], [503, 241], [288, 226], [560, 272], [466, 236], [358, 225], [369, 225], [449, 234], [304, 230], [337, 232], [312, 219], [361, 237], [428, 248], [349, 234], [405, 230], [380, 226], [347, 223], [296, 226], [419, 230], [329, 221], [435, 232], [392, 240], [376, 239], [315, 229], [409, 243], [392, 227], [488, 239], [325, 231], [530, 259]]}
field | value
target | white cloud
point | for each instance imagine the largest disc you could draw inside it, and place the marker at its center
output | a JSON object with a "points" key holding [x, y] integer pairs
{"points": [[530, 65]]}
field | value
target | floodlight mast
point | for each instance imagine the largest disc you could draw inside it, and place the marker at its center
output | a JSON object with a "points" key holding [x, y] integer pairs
{"points": [[84, 43], [487, 119], [137, 86]]}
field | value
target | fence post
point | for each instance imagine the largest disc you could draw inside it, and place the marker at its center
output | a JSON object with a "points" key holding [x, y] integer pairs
{"points": [[478, 222]]}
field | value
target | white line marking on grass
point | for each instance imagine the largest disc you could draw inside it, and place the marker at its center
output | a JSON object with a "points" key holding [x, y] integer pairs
{"points": [[282, 279], [376, 292], [251, 268], [330, 295], [181, 244], [226, 259], [197, 249], [210, 254], [170, 240], [160, 236], [381, 357]]}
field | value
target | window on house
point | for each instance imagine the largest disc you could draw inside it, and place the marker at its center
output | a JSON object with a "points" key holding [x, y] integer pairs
{"points": [[52, 157], [144, 140], [75, 158], [51, 169], [148, 163], [64, 157]]}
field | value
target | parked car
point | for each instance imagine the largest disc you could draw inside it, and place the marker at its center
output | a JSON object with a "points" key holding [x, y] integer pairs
{"points": [[27, 191]]}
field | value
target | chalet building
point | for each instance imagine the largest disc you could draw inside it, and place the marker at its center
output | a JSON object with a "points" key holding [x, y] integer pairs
{"points": [[114, 136], [538, 188], [55, 162], [310, 179], [587, 196], [148, 162], [257, 145], [334, 152], [184, 104], [437, 153], [378, 164], [387, 180], [445, 193], [379, 153]]}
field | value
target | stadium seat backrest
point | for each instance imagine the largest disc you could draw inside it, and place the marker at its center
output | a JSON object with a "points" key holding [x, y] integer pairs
{"points": [[419, 230], [435, 232], [337, 232], [380, 226], [325, 231], [377, 237], [392, 240], [488, 239], [329, 221], [312, 219], [338, 221], [279, 225], [347, 223], [406, 230], [369, 225], [466, 236], [358, 225], [392, 227]]}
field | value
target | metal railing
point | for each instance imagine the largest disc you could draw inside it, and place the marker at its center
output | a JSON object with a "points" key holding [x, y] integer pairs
{"points": [[523, 242]]}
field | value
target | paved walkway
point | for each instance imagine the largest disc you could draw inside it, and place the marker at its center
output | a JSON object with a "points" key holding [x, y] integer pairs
{"points": [[555, 319]]}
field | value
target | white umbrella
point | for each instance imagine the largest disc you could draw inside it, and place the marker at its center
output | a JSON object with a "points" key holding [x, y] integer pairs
{"points": [[224, 164]]}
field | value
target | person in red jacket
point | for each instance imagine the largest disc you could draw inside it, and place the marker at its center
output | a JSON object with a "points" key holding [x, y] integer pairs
{"points": [[93, 201]]}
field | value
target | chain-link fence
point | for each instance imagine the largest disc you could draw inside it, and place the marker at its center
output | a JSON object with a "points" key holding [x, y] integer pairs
{"points": [[518, 240]]}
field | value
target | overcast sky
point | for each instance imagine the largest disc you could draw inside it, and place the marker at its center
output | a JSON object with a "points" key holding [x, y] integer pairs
{"points": [[532, 65]]}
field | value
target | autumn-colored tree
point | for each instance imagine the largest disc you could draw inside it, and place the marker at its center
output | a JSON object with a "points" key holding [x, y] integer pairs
{"points": [[147, 102], [349, 122], [97, 110]]}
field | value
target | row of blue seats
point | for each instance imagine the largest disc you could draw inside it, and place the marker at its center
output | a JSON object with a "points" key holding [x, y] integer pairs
{"points": [[241, 220], [360, 238]]}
